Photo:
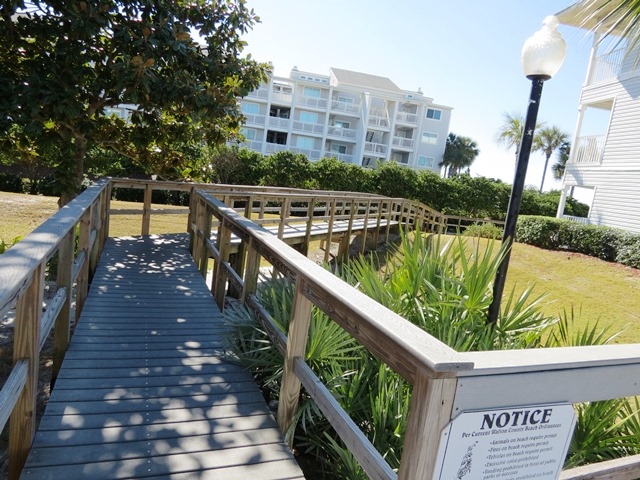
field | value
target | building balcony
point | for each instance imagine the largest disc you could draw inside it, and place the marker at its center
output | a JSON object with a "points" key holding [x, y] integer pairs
{"points": [[313, 102], [279, 122], [252, 145], [275, 147], [376, 149], [315, 128], [260, 93], [607, 66], [380, 122], [343, 133], [281, 98], [253, 119], [402, 142], [312, 154], [405, 117], [345, 107], [588, 150], [343, 157]]}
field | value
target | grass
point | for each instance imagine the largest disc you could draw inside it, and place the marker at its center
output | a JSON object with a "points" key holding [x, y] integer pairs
{"points": [[596, 290]]}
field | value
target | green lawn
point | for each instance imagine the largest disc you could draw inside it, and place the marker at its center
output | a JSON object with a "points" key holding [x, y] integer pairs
{"points": [[597, 290]]}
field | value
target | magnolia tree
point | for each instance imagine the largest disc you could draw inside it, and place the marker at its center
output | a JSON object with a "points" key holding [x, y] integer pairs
{"points": [[178, 64]]}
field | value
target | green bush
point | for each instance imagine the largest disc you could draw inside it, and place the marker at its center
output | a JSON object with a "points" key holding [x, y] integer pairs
{"points": [[483, 230], [629, 250], [11, 183], [543, 232]]}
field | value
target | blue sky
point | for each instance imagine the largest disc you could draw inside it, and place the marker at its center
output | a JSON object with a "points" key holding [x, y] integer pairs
{"points": [[462, 53]]}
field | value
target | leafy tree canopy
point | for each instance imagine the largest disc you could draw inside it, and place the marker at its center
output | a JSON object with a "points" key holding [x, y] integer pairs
{"points": [[459, 153], [66, 64]]}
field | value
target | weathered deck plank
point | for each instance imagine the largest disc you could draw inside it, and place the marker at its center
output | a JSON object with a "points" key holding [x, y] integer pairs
{"points": [[144, 390]]}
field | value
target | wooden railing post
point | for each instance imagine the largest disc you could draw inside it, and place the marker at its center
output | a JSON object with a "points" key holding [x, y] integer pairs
{"points": [[296, 347], [203, 261], [84, 236], [146, 210], [218, 285], [105, 206], [285, 210], [429, 412], [251, 272], [22, 424], [62, 327], [329, 238], [191, 217]]}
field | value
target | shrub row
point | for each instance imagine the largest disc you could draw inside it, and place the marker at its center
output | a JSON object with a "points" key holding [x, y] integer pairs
{"points": [[606, 243]]}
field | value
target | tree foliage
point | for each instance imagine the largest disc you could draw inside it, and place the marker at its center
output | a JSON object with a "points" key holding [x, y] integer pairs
{"points": [[66, 64], [459, 153], [547, 141]]}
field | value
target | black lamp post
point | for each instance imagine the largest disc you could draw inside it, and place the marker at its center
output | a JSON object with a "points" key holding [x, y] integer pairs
{"points": [[542, 56]]}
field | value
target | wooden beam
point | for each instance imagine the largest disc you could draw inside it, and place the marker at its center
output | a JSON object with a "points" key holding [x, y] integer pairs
{"points": [[62, 328], [627, 468], [12, 389]]}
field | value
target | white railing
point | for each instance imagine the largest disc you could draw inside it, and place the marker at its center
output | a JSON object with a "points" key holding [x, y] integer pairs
{"points": [[252, 145], [582, 220], [313, 101], [606, 66], [377, 149], [379, 121], [588, 150], [343, 157], [253, 119], [403, 142], [341, 132], [259, 93], [275, 147], [279, 122], [311, 154], [406, 117], [299, 126], [280, 97], [346, 107]]}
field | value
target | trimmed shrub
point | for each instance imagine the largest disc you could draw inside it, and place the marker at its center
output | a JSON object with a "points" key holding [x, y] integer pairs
{"points": [[11, 183], [543, 232], [483, 230], [629, 250]]}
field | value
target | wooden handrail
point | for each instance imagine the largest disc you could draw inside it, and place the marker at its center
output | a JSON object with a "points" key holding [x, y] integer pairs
{"points": [[627, 468]]}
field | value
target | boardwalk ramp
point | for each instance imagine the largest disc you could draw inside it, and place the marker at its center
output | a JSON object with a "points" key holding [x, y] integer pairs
{"points": [[144, 390]]}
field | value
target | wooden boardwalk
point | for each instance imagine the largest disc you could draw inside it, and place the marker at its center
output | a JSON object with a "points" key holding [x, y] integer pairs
{"points": [[144, 391]]}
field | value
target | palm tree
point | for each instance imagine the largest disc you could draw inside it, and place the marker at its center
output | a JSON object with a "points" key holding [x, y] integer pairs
{"points": [[620, 18], [547, 141], [563, 156], [459, 153], [510, 134]]}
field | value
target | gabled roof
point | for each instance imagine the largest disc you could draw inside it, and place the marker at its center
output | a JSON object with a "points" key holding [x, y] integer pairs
{"points": [[588, 14], [365, 80]]}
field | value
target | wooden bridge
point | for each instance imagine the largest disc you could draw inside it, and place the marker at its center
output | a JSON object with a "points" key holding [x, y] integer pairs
{"points": [[143, 388]]}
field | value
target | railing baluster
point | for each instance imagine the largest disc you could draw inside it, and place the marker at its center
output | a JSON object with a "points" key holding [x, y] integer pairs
{"points": [[22, 424], [220, 280], [83, 246], [62, 327], [146, 210]]}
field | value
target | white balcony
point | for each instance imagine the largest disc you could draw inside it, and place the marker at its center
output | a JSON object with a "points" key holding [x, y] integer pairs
{"points": [[406, 117], [348, 133], [343, 157], [275, 147], [588, 150], [311, 154], [261, 93], [281, 98], [606, 66], [305, 127], [313, 102], [582, 220], [403, 142], [378, 121], [377, 149], [253, 119], [345, 107], [279, 122], [252, 145]]}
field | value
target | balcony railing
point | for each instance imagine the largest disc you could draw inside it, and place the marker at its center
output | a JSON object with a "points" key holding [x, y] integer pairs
{"points": [[253, 119], [406, 117], [313, 101], [275, 147], [582, 220], [342, 132], [280, 97], [343, 157], [379, 121], [259, 93], [403, 142], [377, 149], [607, 66], [252, 145], [346, 107], [279, 122], [316, 128], [312, 154], [588, 150]]}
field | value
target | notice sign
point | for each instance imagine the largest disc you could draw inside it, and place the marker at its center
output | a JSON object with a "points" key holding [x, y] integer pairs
{"points": [[519, 443]]}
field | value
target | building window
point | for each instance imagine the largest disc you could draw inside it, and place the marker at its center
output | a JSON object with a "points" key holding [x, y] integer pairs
{"points": [[429, 138], [345, 99], [434, 114], [425, 162], [250, 108], [276, 137], [311, 92], [249, 133], [337, 148], [305, 142], [341, 124], [308, 117]]}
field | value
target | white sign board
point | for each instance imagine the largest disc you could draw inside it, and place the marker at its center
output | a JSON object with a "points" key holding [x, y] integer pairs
{"points": [[519, 443]]}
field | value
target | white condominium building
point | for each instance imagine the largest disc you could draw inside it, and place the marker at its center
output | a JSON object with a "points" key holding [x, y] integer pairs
{"points": [[356, 117]]}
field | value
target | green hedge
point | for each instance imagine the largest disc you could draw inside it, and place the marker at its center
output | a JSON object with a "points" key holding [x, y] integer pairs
{"points": [[606, 243]]}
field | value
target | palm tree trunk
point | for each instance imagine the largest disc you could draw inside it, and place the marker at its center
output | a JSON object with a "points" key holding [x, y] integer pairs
{"points": [[544, 172]]}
